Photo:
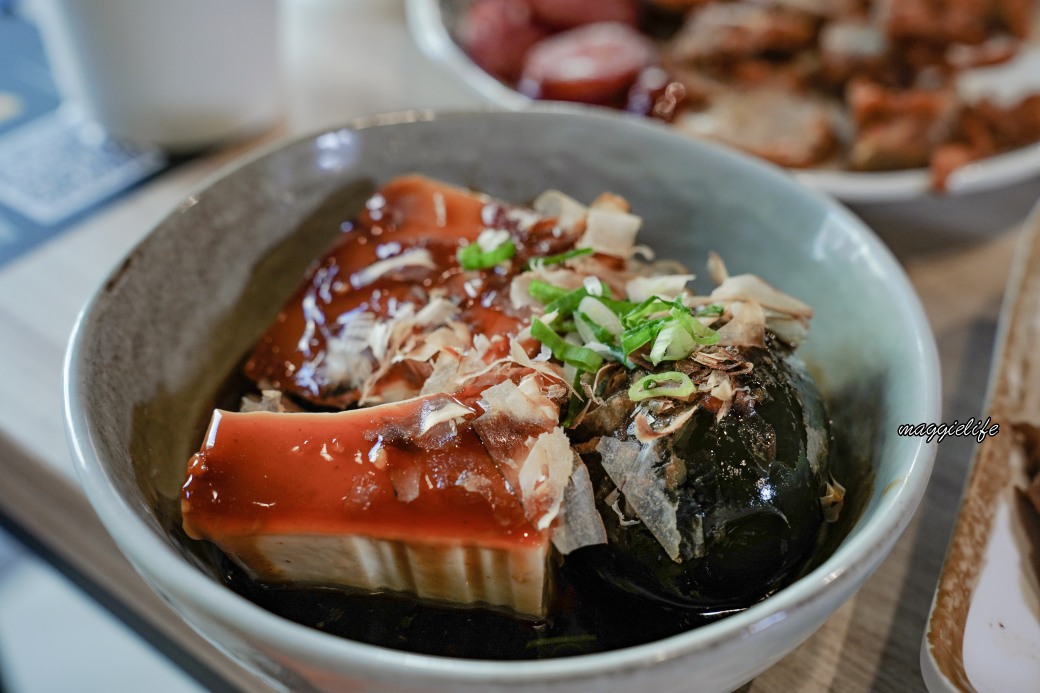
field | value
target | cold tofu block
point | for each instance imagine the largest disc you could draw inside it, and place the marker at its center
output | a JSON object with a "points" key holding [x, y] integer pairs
{"points": [[401, 497], [411, 231]]}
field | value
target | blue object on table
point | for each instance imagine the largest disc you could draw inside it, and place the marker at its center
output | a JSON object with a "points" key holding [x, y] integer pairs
{"points": [[55, 168]]}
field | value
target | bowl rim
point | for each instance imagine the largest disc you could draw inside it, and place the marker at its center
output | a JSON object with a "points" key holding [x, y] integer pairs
{"points": [[428, 29], [166, 571]]}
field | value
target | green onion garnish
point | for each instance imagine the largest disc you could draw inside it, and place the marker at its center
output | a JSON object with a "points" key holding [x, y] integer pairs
{"points": [[474, 257], [580, 357], [569, 302], [566, 304], [672, 343], [615, 329], [667, 384], [701, 333], [644, 310], [635, 337], [558, 258], [619, 307], [712, 309], [599, 313], [674, 335], [564, 326], [591, 331], [574, 406], [544, 292], [575, 403]]}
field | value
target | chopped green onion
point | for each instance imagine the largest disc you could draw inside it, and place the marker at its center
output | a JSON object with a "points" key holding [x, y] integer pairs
{"points": [[599, 315], [635, 337], [644, 310], [580, 357], [569, 302], [558, 258], [589, 331], [575, 403], [711, 309], [674, 336], [565, 326], [474, 257], [595, 286], [558, 299], [574, 406], [616, 328], [667, 384], [544, 292], [672, 343], [618, 307], [701, 333]]}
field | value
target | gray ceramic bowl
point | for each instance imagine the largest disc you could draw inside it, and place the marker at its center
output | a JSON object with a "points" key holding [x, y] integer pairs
{"points": [[162, 333]]}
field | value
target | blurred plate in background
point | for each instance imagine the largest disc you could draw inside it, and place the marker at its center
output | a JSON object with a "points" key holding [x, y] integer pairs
{"points": [[433, 24]]}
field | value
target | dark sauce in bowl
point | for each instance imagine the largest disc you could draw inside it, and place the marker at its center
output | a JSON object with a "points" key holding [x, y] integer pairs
{"points": [[586, 616]]}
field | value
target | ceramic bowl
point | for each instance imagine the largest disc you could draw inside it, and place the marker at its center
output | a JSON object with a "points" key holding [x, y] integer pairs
{"points": [[163, 332]]}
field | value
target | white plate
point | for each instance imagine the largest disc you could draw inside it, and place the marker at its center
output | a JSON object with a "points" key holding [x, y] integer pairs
{"points": [[983, 631], [429, 20]]}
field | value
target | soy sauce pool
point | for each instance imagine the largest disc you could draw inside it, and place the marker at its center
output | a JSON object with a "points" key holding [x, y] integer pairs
{"points": [[586, 616]]}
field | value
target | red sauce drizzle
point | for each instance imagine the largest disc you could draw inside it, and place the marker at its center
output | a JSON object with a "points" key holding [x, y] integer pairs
{"points": [[364, 471], [409, 212]]}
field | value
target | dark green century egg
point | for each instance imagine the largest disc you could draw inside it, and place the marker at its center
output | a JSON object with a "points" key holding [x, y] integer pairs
{"points": [[711, 502]]}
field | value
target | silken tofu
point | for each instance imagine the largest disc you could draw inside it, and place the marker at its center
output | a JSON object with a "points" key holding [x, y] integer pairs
{"points": [[402, 497]]}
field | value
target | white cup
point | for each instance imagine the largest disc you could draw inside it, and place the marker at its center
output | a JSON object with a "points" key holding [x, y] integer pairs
{"points": [[181, 74]]}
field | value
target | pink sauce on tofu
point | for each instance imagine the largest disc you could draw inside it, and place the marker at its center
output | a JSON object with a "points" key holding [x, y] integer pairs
{"points": [[364, 471]]}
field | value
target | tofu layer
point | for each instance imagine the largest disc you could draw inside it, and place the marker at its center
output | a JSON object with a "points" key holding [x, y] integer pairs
{"points": [[461, 574], [391, 497]]}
